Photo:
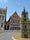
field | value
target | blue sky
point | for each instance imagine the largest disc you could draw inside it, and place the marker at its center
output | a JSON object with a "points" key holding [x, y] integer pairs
{"points": [[15, 5]]}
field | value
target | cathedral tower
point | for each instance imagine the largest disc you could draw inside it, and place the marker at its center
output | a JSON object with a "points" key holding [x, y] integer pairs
{"points": [[24, 20]]}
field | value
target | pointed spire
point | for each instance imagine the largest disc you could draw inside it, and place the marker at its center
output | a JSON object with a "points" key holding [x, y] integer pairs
{"points": [[15, 12], [24, 9]]}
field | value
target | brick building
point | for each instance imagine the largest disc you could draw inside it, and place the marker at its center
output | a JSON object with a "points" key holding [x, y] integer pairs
{"points": [[13, 22]]}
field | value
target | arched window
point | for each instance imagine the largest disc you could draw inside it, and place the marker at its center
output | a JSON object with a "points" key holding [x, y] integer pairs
{"points": [[24, 19], [24, 15]]}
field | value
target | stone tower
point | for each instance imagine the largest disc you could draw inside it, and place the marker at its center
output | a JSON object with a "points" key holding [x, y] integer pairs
{"points": [[24, 26]]}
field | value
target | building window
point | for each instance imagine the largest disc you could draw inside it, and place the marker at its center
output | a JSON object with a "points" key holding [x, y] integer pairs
{"points": [[2, 17], [1, 24], [24, 15], [25, 29], [24, 19]]}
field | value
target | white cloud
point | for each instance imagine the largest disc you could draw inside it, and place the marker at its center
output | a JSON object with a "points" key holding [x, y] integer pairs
{"points": [[3, 1]]}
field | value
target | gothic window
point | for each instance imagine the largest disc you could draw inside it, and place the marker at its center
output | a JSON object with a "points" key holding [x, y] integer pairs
{"points": [[24, 19], [25, 29], [24, 15]]}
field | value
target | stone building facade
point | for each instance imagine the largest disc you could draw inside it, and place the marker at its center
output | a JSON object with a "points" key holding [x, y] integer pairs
{"points": [[2, 18]]}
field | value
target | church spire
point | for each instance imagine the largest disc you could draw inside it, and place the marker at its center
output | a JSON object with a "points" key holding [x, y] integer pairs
{"points": [[24, 9]]}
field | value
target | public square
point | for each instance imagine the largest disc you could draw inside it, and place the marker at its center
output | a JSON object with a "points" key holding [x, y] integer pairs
{"points": [[8, 34]]}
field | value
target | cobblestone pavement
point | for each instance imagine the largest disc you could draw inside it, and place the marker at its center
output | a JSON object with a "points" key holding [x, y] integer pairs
{"points": [[7, 35]]}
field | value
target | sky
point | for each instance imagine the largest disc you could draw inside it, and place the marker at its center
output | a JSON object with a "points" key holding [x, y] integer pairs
{"points": [[15, 5]]}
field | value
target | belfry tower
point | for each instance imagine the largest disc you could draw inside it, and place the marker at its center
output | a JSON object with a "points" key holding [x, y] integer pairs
{"points": [[24, 26]]}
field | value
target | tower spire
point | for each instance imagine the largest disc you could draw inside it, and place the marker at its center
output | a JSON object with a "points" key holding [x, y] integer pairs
{"points": [[24, 9]]}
